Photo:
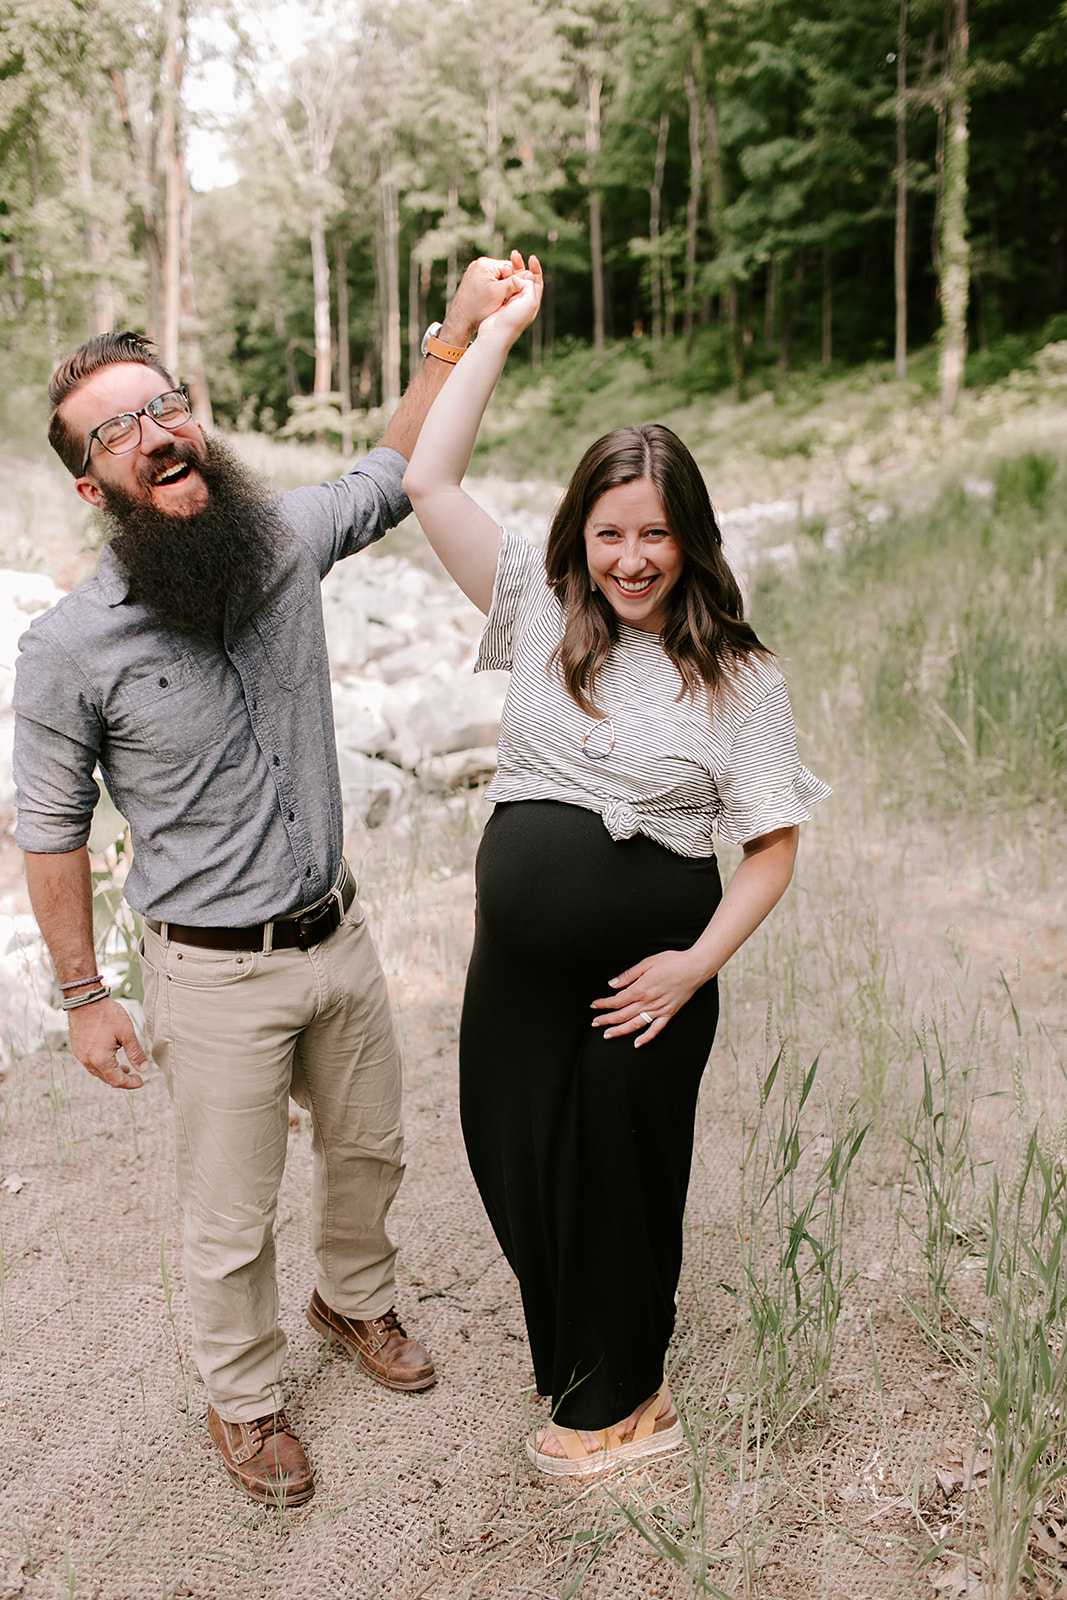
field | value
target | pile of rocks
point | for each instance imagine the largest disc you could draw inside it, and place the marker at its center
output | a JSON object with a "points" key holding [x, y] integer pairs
{"points": [[408, 708]]}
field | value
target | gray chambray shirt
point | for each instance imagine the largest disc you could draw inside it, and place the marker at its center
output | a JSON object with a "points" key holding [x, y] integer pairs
{"points": [[221, 758]]}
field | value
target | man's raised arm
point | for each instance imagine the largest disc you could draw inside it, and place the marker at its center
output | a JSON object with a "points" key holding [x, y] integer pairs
{"points": [[485, 286]]}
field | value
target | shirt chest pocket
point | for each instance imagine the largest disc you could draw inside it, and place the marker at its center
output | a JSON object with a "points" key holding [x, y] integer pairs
{"points": [[291, 633], [172, 712]]}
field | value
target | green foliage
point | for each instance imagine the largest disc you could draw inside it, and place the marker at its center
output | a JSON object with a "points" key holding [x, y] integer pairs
{"points": [[774, 194]]}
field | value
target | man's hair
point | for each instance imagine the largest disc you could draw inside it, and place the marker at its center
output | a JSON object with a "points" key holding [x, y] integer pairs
{"points": [[104, 351]]}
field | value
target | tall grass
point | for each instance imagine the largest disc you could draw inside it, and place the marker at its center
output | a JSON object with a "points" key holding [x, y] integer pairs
{"points": [[794, 1191], [941, 1163], [1022, 1375], [936, 669]]}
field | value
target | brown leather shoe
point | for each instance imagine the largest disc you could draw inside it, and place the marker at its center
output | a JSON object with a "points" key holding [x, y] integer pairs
{"points": [[381, 1347], [265, 1457]]}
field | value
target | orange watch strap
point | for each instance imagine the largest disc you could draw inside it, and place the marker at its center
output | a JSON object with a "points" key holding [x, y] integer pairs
{"points": [[444, 352]]}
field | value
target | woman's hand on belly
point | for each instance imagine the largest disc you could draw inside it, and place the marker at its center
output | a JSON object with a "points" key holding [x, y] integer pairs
{"points": [[648, 995]]}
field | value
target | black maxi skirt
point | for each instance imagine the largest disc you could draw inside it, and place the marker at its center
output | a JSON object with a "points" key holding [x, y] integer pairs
{"points": [[581, 1146]]}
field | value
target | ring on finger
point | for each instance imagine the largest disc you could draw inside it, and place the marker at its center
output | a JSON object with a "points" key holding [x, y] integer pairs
{"points": [[645, 1017]]}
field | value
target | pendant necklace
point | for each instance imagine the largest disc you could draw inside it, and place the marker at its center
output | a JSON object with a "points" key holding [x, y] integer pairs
{"points": [[606, 721]]}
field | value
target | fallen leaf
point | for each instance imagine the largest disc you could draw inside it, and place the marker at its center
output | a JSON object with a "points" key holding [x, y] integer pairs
{"points": [[950, 1479], [1048, 1536], [961, 1581]]}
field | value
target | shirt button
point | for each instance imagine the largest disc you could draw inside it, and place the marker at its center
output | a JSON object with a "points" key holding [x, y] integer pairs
{"points": [[163, 683], [277, 761], [292, 816], [307, 874]]}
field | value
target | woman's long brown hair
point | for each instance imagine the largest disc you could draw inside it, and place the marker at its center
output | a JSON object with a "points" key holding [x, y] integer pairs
{"points": [[706, 635]]}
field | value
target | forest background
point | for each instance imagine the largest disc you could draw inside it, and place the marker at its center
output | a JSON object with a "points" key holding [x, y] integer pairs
{"points": [[729, 188]]}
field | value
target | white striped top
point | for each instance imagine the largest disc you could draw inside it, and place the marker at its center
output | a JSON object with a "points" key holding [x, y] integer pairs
{"points": [[677, 773]]}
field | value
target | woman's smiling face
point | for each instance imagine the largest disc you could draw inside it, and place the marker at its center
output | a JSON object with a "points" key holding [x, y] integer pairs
{"points": [[633, 558]]}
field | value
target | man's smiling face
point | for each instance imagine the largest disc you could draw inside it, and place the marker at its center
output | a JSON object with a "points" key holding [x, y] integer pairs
{"points": [[162, 470]]}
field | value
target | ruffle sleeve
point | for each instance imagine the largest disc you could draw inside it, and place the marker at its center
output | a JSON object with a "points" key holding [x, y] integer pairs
{"points": [[764, 784]]}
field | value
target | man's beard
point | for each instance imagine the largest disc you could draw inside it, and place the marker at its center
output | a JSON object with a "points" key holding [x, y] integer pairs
{"points": [[197, 572]]}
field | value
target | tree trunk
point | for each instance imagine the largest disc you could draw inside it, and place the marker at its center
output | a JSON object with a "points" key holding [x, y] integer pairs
{"points": [[655, 260], [791, 298], [344, 347], [320, 280], [900, 242], [173, 66], [452, 265], [770, 304], [147, 164], [199, 393], [491, 193], [593, 87], [717, 202], [344, 340], [827, 354], [99, 308], [537, 342], [414, 321], [955, 248], [737, 345], [18, 274], [548, 304], [390, 284], [51, 321], [696, 178]]}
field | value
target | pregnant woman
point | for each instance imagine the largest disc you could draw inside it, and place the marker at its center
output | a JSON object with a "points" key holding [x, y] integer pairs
{"points": [[644, 717]]}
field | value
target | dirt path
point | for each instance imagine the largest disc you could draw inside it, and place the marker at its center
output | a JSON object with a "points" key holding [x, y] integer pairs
{"points": [[111, 1490]]}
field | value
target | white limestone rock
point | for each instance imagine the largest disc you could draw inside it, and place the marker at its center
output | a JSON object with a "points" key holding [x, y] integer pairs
{"points": [[464, 769], [372, 792]]}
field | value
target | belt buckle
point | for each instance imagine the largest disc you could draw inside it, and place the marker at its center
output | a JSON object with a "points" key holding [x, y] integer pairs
{"points": [[314, 926]]}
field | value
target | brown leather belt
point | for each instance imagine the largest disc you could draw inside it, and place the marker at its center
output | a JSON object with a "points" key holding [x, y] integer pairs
{"points": [[307, 928]]}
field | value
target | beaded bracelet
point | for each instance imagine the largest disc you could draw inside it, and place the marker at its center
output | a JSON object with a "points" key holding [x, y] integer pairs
{"points": [[76, 983], [85, 999]]}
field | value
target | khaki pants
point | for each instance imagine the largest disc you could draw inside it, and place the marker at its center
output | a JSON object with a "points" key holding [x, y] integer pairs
{"points": [[235, 1035]]}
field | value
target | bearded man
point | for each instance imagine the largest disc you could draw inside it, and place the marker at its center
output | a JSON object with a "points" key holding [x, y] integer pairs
{"points": [[191, 669]]}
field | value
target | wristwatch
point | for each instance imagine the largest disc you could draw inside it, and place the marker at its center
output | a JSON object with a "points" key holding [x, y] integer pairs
{"points": [[433, 346]]}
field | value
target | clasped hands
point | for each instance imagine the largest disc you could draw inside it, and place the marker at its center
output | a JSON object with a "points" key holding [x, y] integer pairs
{"points": [[648, 994], [490, 286]]}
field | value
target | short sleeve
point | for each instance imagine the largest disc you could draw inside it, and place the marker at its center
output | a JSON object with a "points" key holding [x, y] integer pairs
{"points": [[764, 785], [518, 564]]}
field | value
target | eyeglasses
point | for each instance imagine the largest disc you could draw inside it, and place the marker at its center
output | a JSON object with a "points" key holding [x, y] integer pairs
{"points": [[120, 434]]}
